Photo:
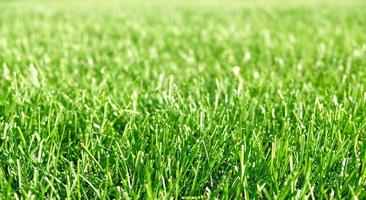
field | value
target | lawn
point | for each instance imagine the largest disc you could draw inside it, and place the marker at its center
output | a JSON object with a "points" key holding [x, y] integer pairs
{"points": [[183, 100]]}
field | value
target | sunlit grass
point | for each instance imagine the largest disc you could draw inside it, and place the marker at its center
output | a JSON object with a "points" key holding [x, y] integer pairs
{"points": [[229, 100]]}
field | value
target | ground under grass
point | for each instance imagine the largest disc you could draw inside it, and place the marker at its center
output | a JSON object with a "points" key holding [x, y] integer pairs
{"points": [[209, 100]]}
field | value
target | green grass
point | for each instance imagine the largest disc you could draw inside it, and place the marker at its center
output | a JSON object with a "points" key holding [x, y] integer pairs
{"points": [[159, 101]]}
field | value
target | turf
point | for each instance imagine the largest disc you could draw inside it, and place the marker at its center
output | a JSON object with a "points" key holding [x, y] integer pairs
{"points": [[197, 100]]}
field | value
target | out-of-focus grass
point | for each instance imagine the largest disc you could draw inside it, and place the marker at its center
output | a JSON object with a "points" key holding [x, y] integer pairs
{"points": [[158, 100]]}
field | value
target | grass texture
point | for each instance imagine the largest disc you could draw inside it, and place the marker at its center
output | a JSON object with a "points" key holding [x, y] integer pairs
{"points": [[222, 100]]}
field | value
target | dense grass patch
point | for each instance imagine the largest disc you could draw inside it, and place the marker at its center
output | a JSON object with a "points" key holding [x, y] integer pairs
{"points": [[227, 100]]}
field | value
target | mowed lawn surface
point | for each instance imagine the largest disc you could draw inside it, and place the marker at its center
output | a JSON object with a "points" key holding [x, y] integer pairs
{"points": [[207, 100]]}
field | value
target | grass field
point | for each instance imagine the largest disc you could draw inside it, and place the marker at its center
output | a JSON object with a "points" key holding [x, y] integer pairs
{"points": [[197, 100]]}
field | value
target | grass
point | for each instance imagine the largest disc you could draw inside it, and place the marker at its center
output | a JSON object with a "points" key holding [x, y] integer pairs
{"points": [[225, 100]]}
